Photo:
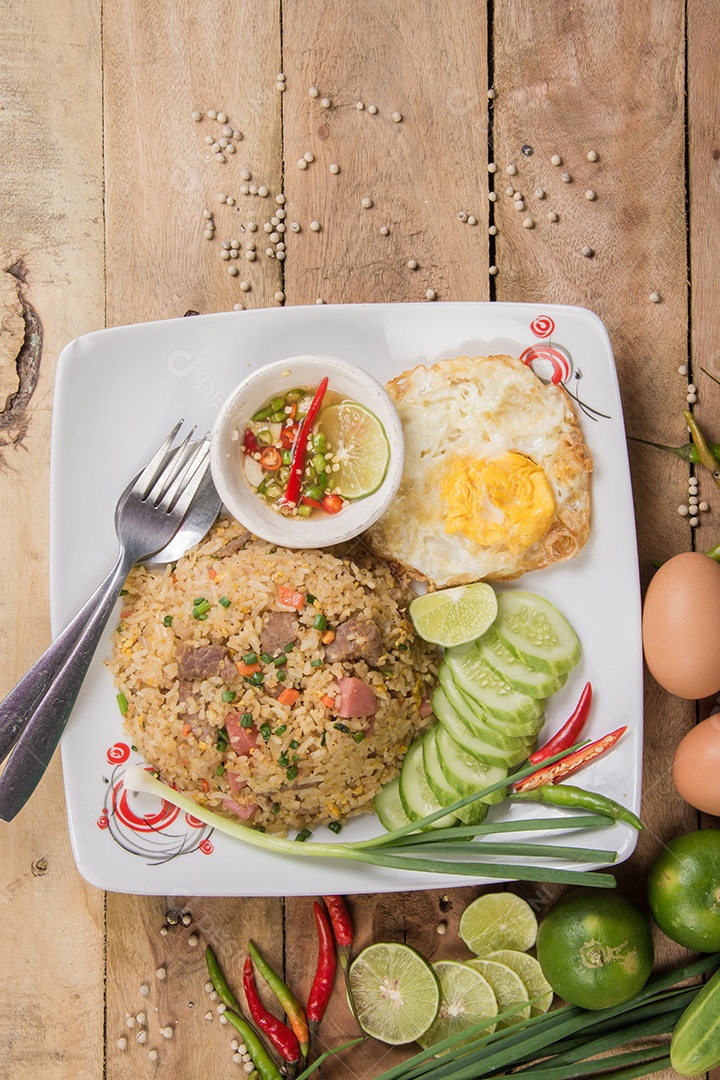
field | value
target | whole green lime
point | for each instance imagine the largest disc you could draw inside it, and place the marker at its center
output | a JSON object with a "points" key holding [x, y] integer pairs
{"points": [[684, 890], [595, 951]]}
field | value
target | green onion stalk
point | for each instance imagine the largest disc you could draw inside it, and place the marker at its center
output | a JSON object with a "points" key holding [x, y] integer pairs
{"points": [[410, 848]]}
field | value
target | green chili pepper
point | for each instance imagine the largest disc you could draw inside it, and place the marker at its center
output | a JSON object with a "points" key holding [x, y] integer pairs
{"points": [[688, 451], [222, 988], [707, 458], [566, 795], [319, 442], [262, 414], [262, 1061], [277, 404], [304, 511], [291, 1005]]}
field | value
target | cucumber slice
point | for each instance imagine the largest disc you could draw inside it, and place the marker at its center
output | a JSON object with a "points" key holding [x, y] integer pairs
{"points": [[484, 751], [536, 684], [415, 794], [464, 772], [443, 791], [534, 630], [492, 730], [478, 681], [388, 806]]}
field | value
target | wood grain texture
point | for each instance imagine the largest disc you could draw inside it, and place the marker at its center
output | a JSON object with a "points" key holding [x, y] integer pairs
{"points": [[163, 61], [51, 241], [399, 57]]}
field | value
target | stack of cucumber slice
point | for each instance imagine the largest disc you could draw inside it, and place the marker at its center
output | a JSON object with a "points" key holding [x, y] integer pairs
{"points": [[490, 707]]}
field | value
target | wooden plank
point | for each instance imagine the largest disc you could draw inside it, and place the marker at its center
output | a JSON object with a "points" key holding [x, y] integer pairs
{"points": [[557, 94], [51, 242], [419, 173], [394, 55], [162, 62]]}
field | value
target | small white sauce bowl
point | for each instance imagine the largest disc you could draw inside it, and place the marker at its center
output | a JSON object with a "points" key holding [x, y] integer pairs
{"points": [[227, 458]]}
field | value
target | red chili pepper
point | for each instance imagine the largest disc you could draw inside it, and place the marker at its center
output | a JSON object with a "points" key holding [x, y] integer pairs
{"points": [[270, 459], [342, 927], [287, 435], [250, 442], [322, 986], [307, 501], [571, 763], [333, 504], [568, 733], [283, 1039], [297, 465]]}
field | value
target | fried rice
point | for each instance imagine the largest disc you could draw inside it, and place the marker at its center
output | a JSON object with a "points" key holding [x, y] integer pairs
{"points": [[229, 730]]}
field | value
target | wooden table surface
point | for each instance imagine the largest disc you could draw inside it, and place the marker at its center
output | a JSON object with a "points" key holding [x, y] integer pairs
{"points": [[104, 178]]}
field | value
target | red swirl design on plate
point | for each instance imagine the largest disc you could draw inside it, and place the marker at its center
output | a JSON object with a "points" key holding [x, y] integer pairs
{"points": [[102, 821], [118, 753], [551, 363], [543, 326], [150, 822], [206, 847], [193, 822]]}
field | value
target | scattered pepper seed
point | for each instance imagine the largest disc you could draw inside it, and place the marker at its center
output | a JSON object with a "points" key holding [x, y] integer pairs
{"points": [[492, 196], [556, 160], [442, 927], [141, 1018], [161, 973], [209, 988], [366, 203], [238, 307], [704, 506], [430, 294], [565, 177], [309, 156], [691, 399], [279, 296], [694, 522], [122, 1043], [163, 931], [233, 270], [412, 264], [295, 226], [167, 1032], [511, 170], [144, 989], [130, 1022], [491, 94], [220, 157], [197, 116], [360, 105], [592, 155], [334, 169], [212, 114], [245, 286], [263, 192], [319, 300], [280, 199], [249, 255], [492, 167], [553, 217], [302, 163], [519, 204], [510, 190], [221, 118], [142, 1036], [326, 102], [683, 369], [472, 220], [397, 117], [315, 226], [384, 231], [493, 270], [492, 231], [539, 193], [590, 195], [372, 109], [209, 234], [528, 223], [314, 92], [208, 1016], [152, 1055], [462, 216], [587, 251], [655, 298]]}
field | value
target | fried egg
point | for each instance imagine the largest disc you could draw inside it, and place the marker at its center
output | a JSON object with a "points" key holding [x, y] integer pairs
{"points": [[496, 479]]}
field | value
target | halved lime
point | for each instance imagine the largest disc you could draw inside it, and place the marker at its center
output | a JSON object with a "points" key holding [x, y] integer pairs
{"points": [[360, 446], [454, 616], [467, 999], [498, 920], [531, 974], [508, 987], [396, 992]]}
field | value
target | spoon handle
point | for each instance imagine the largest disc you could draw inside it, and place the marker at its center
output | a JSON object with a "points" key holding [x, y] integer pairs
{"points": [[48, 692]]}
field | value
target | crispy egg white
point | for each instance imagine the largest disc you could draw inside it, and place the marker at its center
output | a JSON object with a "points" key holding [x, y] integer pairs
{"points": [[497, 477]]}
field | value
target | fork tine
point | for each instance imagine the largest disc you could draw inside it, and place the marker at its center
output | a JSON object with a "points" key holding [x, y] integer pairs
{"points": [[174, 467], [183, 490], [157, 463]]}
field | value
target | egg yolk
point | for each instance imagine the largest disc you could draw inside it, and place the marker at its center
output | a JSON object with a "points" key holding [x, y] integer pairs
{"points": [[504, 500]]}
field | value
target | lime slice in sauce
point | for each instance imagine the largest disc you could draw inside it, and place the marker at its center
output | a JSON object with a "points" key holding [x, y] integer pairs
{"points": [[360, 448]]}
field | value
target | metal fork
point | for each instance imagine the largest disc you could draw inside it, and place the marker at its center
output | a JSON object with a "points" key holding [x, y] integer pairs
{"points": [[35, 712]]}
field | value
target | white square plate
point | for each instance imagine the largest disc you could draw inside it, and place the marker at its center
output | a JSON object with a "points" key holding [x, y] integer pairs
{"points": [[120, 390]]}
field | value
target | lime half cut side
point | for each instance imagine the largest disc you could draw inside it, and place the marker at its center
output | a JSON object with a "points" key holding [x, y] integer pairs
{"points": [[360, 447], [467, 999], [454, 616], [396, 992], [498, 921]]}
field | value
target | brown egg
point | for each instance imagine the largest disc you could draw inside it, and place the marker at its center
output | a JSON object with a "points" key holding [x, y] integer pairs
{"points": [[681, 625], [696, 766]]}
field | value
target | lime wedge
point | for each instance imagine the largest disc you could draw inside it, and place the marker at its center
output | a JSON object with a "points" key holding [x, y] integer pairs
{"points": [[396, 992], [508, 987], [361, 448], [454, 616], [498, 921], [531, 974], [467, 998]]}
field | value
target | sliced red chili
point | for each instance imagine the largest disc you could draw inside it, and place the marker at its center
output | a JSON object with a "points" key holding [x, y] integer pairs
{"points": [[250, 442], [551, 773], [287, 436], [333, 504], [271, 459], [567, 736], [297, 465], [307, 501]]}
